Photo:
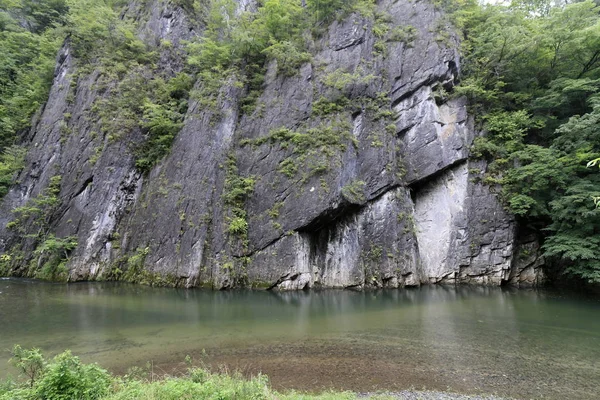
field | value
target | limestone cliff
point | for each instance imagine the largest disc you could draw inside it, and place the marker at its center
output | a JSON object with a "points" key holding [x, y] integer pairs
{"points": [[383, 195]]}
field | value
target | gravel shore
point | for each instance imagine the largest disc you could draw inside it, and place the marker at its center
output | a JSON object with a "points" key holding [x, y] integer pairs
{"points": [[427, 395]]}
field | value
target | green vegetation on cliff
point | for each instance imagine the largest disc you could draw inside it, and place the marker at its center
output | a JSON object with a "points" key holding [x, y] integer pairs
{"points": [[31, 33], [28, 47], [48, 259], [138, 96], [532, 74]]}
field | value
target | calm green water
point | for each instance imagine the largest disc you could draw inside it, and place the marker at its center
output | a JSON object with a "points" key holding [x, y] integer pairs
{"points": [[524, 344]]}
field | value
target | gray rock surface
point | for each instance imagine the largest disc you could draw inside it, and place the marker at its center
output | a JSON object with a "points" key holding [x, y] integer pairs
{"points": [[527, 265], [435, 137], [387, 197], [368, 248]]}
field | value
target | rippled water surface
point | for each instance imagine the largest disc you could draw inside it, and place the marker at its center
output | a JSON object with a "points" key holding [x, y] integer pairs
{"points": [[519, 343]]}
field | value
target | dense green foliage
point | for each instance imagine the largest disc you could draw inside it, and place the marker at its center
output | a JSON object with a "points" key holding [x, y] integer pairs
{"points": [[65, 378], [37, 212], [31, 32], [32, 223], [30, 363], [11, 161], [62, 378], [162, 117], [532, 73], [28, 47], [51, 256], [139, 96]]}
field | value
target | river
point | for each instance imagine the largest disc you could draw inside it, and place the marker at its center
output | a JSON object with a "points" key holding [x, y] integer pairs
{"points": [[517, 343]]}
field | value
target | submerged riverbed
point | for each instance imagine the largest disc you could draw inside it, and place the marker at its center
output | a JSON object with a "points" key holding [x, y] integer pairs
{"points": [[517, 343]]}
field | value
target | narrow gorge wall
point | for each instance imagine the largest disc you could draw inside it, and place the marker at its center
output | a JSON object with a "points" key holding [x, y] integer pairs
{"points": [[382, 195]]}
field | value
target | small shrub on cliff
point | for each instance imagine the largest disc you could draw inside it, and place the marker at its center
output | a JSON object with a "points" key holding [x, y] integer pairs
{"points": [[237, 190], [354, 192], [51, 257], [323, 11], [238, 226], [405, 34], [162, 124], [135, 263], [37, 210], [11, 161], [289, 57]]}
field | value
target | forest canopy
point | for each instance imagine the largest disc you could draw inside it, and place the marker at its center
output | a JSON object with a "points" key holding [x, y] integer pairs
{"points": [[531, 71]]}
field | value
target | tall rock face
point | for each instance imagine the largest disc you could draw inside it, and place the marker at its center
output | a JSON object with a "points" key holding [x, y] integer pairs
{"points": [[378, 193]]}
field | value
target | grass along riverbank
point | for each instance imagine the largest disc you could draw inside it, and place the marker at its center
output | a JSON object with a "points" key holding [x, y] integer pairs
{"points": [[65, 377]]}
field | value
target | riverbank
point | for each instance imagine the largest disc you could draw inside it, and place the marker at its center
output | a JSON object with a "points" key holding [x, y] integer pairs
{"points": [[66, 377], [426, 395]]}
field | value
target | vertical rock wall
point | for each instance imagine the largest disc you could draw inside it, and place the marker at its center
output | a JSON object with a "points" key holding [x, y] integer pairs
{"points": [[383, 195]]}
